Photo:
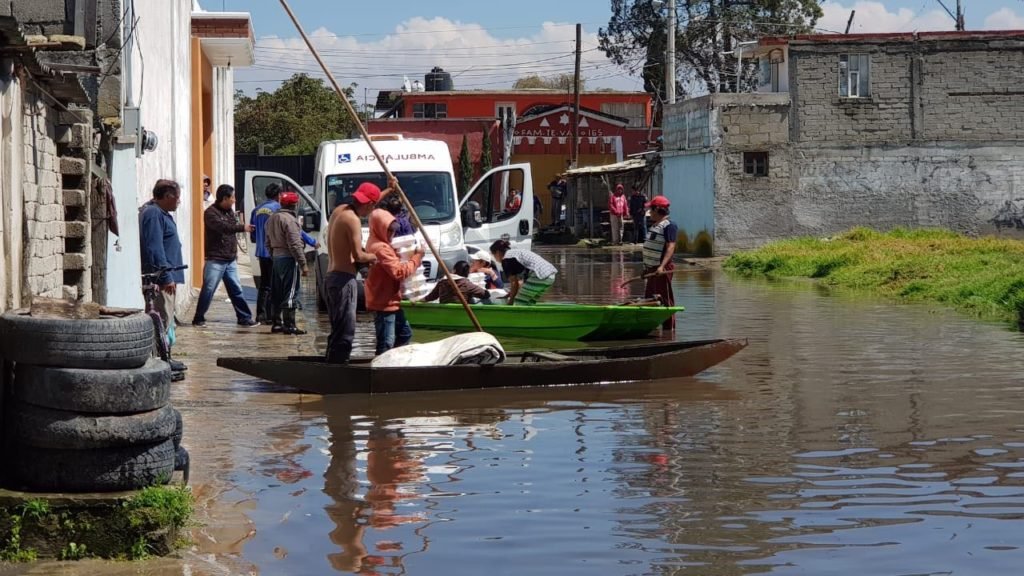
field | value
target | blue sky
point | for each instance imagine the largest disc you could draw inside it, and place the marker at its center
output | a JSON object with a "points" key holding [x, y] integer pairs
{"points": [[377, 44]]}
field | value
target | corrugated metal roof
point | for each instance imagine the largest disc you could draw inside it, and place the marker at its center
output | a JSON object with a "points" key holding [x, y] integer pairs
{"points": [[624, 166]]}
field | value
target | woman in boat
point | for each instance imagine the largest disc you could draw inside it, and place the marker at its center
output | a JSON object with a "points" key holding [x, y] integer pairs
{"points": [[481, 262], [443, 289], [529, 275]]}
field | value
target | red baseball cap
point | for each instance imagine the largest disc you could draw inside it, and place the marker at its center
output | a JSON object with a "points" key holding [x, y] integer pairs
{"points": [[367, 193], [659, 202], [288, 198]]}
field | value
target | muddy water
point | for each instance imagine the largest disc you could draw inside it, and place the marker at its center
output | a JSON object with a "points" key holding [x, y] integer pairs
{"points": [[851, 437]]}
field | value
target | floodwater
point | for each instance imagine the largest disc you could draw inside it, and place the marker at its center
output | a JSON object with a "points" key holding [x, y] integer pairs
{"points": [[851, 437]]}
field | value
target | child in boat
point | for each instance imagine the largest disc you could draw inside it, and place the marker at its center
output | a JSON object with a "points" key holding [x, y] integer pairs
{"points": [[384, 284], [529, 275], [481, 262], [443, 289]]}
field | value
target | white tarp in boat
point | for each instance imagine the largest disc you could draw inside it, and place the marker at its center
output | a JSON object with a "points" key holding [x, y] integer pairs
{"points": [[473, 348]]}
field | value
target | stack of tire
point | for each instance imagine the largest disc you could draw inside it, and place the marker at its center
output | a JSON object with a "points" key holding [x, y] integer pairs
{"points": [[88, 407]]}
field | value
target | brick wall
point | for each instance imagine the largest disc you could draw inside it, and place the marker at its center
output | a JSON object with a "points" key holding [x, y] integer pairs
{"points": [[44, 208]]}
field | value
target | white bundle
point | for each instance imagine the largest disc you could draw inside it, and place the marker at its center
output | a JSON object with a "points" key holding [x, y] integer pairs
{"points": [[416, 294], [479, 278], [414, 287]]}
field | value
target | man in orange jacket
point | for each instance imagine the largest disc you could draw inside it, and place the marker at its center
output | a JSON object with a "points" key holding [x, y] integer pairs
{"points": [[383, 286]]}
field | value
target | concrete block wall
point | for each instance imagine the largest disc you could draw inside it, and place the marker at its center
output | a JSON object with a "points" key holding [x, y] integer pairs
{"points": [[973, 189], [821, 115], [44, 202], [973, 94]]}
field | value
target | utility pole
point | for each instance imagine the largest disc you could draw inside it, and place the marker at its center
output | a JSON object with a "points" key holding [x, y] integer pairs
{"points": [[575, 155], [959, 16], [670, 54]]}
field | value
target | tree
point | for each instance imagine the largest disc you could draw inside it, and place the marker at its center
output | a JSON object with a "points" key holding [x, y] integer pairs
{"points": [[465, 168], [293, 119], [562, 82], [636, 37], [486, 160]]}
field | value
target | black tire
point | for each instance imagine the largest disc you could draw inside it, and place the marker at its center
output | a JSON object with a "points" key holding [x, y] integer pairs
{"points": [[179, 428], [104, 470], [59, 430], [127, 391], [106, 343]]}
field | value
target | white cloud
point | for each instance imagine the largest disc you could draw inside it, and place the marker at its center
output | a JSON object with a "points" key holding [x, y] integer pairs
{"points": [[1004, 19], [474, 57], [875, 17]]}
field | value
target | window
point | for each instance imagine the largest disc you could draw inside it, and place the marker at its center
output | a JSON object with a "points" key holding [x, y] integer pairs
{"points": [[755, 163], [429, 110], [854, 76], [430, 192], [504, 110], [494, 196]]}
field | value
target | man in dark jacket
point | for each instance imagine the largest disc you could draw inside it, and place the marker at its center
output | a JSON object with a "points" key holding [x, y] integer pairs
{"points": [[161, 249], [221, 250], [284, 238], [638, 212]]}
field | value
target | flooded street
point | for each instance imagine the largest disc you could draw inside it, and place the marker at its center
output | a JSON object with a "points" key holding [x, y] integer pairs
{"points": [[852, 436]]}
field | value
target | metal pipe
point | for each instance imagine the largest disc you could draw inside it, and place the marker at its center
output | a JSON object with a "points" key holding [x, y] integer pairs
{"points": [[398, 189], [670, 54]]}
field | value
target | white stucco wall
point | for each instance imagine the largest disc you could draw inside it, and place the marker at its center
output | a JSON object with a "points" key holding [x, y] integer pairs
{"points": [[161, 87], [224, 124]]}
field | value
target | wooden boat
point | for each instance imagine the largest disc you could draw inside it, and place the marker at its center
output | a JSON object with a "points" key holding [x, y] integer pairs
{"points": [[544, 321], [520, 369]]}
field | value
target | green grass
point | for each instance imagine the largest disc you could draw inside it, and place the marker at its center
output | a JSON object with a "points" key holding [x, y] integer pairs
{"points": [[981, 276]]}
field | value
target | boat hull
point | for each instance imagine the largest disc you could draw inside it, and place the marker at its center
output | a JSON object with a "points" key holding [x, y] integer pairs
{"points": [[585, 366], [544, 321]]}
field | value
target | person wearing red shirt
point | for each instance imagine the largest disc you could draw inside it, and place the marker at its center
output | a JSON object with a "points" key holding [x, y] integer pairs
{"points": [[618, 207]]}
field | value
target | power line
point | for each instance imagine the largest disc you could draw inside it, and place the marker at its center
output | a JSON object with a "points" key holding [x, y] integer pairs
{"points": [[443, 30]]}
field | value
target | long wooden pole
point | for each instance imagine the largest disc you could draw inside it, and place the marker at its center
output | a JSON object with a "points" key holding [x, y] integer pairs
{"points": [[576, 100], [401, 193]]}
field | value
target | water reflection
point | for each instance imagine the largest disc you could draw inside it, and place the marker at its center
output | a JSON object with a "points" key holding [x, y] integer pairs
{"points": [[851, 437]]}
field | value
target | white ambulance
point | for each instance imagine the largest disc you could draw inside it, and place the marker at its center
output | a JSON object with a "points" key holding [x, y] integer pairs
{"points": [[425, 171]]}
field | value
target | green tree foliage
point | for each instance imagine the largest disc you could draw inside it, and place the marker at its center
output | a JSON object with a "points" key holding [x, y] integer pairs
{"points": [[486, 154], [293, 119], [636, 38], [465, 167], [562, 82]]}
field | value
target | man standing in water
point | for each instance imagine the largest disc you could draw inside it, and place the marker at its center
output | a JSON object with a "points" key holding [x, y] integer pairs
{"points": [[659, 248], [345, 250]]}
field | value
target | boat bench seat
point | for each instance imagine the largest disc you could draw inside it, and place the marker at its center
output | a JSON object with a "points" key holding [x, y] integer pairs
{"points": [[549, 356]]}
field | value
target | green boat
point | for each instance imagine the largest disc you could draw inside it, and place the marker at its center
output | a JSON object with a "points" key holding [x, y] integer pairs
{"points": [[544, 321]]}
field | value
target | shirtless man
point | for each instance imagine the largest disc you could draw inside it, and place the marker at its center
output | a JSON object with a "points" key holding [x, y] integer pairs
{"points": [[345, 250]]}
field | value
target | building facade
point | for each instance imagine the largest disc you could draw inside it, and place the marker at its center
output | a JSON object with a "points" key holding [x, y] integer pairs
{"points": [[880, 130], [102, 98], [613, 125]]}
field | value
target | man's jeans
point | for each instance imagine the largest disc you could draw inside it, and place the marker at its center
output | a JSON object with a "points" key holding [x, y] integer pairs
{"points": [[342, 298], [213, 272], [393, 330]]}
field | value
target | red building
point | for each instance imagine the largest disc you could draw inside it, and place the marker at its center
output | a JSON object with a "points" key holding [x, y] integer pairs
{"points": [[613, 125]]}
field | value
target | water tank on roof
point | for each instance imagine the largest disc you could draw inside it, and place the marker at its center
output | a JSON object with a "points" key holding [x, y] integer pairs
{"points": [[438, 80]]}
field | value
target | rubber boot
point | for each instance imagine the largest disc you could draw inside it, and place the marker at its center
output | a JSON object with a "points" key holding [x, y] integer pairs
{"points": [[289, 323]]}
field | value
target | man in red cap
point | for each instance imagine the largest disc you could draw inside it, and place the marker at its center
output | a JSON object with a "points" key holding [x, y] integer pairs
{"points": [[345, 250], [284, 238], [659, 247]]}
